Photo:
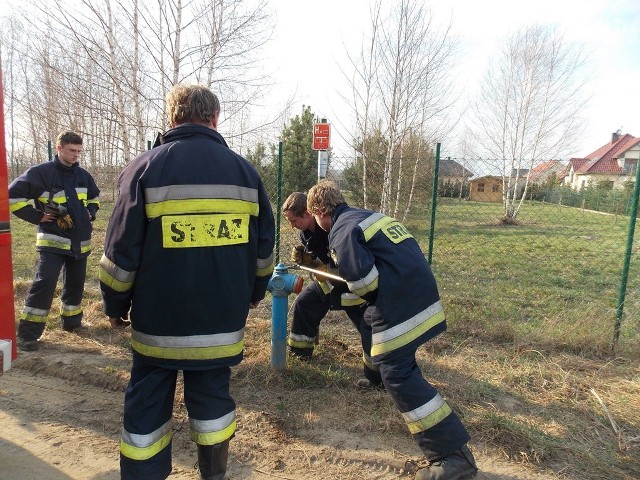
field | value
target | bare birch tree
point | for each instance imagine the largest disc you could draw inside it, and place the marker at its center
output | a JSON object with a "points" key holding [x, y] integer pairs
{"points": [[104, 66], [402, 67], [529, 107], [362, 91]]}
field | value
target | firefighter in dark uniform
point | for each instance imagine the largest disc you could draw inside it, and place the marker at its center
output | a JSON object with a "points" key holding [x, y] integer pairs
{"points": [[322, 295], [188, 251], [383, 264], [61, 198]]}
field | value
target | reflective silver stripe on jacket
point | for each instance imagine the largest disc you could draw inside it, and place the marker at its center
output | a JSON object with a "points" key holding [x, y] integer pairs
{"points": [[364, 283], [182, 192], [116, 272], [407, 325], [213, 340], [48, 237], [265, 262], [370, 220]]}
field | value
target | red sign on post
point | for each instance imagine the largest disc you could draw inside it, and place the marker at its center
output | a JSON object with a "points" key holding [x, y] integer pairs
{"points": [[321, 135]]}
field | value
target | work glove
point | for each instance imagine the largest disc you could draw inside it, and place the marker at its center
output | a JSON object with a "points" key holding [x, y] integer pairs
{"points": [[300, 256], [63, 219], [325, 268]]}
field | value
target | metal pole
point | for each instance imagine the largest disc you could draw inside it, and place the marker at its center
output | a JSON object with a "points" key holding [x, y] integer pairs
{"points": [[627, 259], [323, 160], [49, 150], [278, 202], [434, 199]]}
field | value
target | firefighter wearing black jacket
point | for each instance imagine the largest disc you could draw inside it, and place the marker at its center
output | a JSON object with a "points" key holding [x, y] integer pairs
{"points": [[188, 251], [61, 198], [315, 301], [382, 263]]}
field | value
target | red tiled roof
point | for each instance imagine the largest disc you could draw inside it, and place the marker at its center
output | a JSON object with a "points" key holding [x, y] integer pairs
{"points": [[577, 163], [564, 171], [541, 168], [603, 160]]}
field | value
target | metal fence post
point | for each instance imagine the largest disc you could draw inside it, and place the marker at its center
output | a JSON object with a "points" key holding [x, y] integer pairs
{"points": [[434, 198], [627, 259]]}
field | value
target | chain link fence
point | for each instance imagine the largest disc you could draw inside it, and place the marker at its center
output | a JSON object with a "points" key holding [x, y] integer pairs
{"points": [[553, 273]]}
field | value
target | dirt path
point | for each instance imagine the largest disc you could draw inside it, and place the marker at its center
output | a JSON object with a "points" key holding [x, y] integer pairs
{"points": [[60, 417]]}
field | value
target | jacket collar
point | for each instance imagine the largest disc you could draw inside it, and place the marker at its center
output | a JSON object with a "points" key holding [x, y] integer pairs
{"points": [[337, 211], [65, 168], [187, 130]]}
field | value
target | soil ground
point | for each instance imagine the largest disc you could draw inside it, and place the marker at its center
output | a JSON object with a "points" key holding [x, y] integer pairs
{"points": [[61, 411]]}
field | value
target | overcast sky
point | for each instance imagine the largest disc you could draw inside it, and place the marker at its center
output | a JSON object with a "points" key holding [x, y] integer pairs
{"points": [[609, 29]]}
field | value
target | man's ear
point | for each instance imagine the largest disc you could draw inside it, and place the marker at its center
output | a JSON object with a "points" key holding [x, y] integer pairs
{"points": [[214, 120]]}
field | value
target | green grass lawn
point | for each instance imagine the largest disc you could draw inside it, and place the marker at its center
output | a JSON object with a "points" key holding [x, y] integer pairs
{"points": [[553, 279]]}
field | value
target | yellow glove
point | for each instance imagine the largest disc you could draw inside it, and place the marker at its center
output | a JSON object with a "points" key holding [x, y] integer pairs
{"points": [[64, 221], [300, 256], [325, 268]]}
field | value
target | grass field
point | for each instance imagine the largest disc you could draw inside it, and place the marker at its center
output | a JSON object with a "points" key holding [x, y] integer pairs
{"points": [[526, 360], [552, 280]]}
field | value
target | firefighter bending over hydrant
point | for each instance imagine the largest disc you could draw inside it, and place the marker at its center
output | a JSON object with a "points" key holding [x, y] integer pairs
{"points": [[372, 250]]}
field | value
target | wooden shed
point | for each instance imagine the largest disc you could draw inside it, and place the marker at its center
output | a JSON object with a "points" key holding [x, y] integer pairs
{"points": [[486, 189]]}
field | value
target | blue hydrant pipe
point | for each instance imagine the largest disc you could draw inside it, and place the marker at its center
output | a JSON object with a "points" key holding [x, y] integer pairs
{"points": [[281, 285]]}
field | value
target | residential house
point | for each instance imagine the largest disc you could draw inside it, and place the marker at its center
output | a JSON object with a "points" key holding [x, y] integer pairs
{"points": [[486, 189], [451, 171], [453, 179], [544, 171], [615, 162]]}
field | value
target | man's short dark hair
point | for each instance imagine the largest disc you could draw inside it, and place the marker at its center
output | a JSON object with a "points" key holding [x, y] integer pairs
{"points": [[68, 137], [295, 203]]}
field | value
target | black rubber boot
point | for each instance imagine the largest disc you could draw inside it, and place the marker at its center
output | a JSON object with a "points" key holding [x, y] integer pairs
{"points": [[459, 465], [212, 460], [302, 354], [28, 345]]}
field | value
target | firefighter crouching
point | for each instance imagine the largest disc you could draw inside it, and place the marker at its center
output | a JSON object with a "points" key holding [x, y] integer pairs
{"points": [[323, 294]]}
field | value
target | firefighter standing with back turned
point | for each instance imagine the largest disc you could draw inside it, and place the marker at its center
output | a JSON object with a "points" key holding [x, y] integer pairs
{"points": [[188, 251], [61, 198], [383, 263]]}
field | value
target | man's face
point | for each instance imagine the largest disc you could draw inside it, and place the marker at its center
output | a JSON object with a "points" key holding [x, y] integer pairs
{"points": [[69, 153], [302, 222], [324, 221]]}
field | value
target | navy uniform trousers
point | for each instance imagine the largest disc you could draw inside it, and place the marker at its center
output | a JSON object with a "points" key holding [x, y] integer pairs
{"points": [[441, 431], [38, 302], [312, 305], [148, 413]]}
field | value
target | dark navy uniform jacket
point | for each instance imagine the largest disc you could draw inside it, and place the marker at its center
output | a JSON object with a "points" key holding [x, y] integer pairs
{"points": [[188, 247], [383, 264], [317, 243], [71, 186]]}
